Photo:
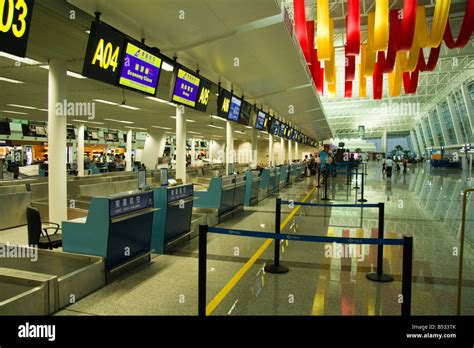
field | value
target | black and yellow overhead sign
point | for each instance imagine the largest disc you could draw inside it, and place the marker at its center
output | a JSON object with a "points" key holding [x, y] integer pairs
{"points": [[15, 20], [104, 53], [204, 95]]}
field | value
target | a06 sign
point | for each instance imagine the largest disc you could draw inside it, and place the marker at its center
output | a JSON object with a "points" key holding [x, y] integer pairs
{"points": [[15, 20]]}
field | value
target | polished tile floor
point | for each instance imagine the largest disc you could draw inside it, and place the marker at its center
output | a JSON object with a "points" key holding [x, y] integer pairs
{"points": [[423, 203]]}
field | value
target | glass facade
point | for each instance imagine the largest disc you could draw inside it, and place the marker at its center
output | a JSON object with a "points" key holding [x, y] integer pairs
{"points": [[423, 140], [461, 111], [470, 88], [436, 126], [429, 141], [448, 121]]}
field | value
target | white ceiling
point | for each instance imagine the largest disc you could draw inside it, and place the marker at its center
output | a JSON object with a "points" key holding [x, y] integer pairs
{"points": [[213, 33]]}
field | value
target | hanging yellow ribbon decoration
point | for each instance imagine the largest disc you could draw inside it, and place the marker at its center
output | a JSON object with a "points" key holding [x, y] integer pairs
{"points": [[395, 79], [324, 37], [380, 32], [440, 18], [330, 65], [368, 56], [362, 79]]}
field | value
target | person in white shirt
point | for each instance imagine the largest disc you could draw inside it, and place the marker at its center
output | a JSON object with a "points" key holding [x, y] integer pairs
{"points": [[389, 165]]}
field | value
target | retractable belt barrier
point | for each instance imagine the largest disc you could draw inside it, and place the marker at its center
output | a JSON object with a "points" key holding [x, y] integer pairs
{"points": [[406, 242]]}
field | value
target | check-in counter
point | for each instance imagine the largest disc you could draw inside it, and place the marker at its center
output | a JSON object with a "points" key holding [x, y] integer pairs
{"points": [[283, 176], [172, 222], [274, 180], [252, 184], [239, 194], [13, 201], [264, 185], [117, 228]]}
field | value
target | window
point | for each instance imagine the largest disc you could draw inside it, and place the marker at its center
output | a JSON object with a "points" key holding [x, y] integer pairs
{"points": [[437, 126], [470, 88], [461, 111], [430, 134], [446, 117]]}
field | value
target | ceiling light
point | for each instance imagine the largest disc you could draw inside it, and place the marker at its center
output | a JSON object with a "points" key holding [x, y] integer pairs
{"points": [[19, 59], [249, 127], [128, 107], [88, 31], [189, 120], [159, 127], [75, 75], [135, 128], [104, 101], [159, 100], [45, 110], [120, 121], [6, 79], [194, 132], [239, 131], [218, 118], [214, 126], [14, 112], [22, 106], [84, 121], [167, 66], [173, 117]]}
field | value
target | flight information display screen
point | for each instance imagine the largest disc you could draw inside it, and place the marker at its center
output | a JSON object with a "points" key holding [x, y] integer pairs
{"points": [[223, 103], [234, 109], [15, 21], [140, 69], [275, 127], [245, 113], [186, 88], [260, 122]]}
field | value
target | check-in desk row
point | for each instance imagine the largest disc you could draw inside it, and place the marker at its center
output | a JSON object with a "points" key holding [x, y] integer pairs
{"points": [[124, 228]]}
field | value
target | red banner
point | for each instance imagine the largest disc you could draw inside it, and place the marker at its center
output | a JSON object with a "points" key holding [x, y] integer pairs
{"points": [[353, 28], [300, 27], [467, 28]]}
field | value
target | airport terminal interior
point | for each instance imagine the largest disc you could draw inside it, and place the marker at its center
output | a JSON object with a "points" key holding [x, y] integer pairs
{"points": [[236, 157]]}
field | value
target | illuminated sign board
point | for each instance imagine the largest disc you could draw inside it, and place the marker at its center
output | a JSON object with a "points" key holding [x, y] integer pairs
{"points": [[234, 109], [275, 127], [186, 88], [140, 69], [282, 130], [245, 113], [15, 20], [260, 122], [104, 53], [223, 103], [204, 95]]}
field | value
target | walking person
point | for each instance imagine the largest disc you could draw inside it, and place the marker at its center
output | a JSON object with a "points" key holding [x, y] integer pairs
{"points": [[389, 165], [405, 164], [384, 166]]}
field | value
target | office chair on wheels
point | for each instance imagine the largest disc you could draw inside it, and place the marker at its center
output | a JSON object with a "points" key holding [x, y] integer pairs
{"points": [[38, 235]]}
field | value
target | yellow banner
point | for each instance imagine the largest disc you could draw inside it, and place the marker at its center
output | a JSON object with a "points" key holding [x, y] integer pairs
{"points": [[324, 39]]}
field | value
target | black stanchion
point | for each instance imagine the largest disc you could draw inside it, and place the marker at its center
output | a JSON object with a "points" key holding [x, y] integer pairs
{"points": [[357, 179], [407, 275], [348, 175], [202, 270], [319, 173], [365, 168], [277, 267], [379, 276], [362, 199], [325, 177]]}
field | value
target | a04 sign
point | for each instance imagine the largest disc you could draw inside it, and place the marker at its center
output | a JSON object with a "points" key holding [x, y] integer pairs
{"points": [[15, 20]]}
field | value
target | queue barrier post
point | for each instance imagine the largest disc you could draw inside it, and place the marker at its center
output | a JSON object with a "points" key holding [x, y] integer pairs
{"points": [[202, 270], [357, 179], [379, 276], [277, 267], [325, 177], [407, 275], [362, 199], [319, 173]]}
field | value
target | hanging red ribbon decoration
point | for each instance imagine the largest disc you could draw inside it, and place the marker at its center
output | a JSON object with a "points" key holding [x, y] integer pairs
{"points": [[300, 27], [377, 78], [310, 31], [410, 81], [349, 66], [408, 24], [353, 28], [318, 74], [393, 41], [432, 60], [467, 28], [348, 89]]}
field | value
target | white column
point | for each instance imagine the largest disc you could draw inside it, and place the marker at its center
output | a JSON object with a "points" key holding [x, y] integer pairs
{"points": [[416, 149], [210, 152], [128, 156], [443, 125], [193, 152], [180, 144], [253, 156], [297, 155], [455, 119], [229, 148], [420, 139], [270, 150], [426, 134], [57, 176], [384, 141], [469, 107], [154, 147], [282, 151], [290, 155], [80, 150], [433, 131]]}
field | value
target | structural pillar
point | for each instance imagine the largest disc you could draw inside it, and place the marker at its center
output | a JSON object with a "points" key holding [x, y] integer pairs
{"points": [[420, 139], [180, 144], [80, 150], [128, 156], [253, 157], [426, 134], [297, 156], [416, 148], [290, 155], [229, 149], [57, 174], [270, 150], [193, 152], [469, 107], [282, 151], [442, 124], [433, 131], [384, 142], [455, 119]]}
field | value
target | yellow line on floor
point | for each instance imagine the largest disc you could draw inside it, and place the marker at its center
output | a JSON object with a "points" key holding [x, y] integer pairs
{"points": [[236, 278]]}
